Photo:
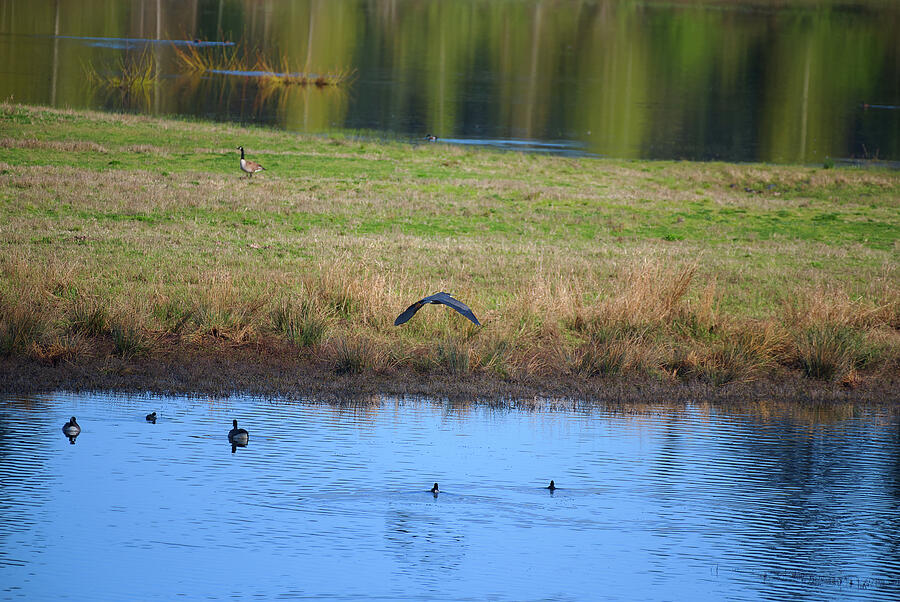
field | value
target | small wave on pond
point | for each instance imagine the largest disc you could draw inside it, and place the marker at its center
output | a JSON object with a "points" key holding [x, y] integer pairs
{"points": [[659, 501]]}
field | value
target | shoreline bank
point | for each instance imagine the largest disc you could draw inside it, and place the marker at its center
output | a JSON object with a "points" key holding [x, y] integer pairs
{"points": [[132, 245], [278, 375]]}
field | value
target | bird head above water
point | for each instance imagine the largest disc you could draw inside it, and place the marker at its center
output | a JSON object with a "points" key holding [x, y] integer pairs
{"points": [[71, 429], [238, 436]]}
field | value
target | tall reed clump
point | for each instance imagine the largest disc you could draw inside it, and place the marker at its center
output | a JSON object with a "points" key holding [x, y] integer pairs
{"points": [[21, 326], [33, 296], [726, 363], [828, 352], [134, 74], [223, 310], [128, 340], [58, 348], [626, 330], [452, 356], [647, 297], [653, 294], [352, 354], [837, 333], [742, 352], [300, 321], [879, 306], [280, 72], [241, 60], [197, 60], [172, 313], [87, 316], [605, 353], [495, 356]]}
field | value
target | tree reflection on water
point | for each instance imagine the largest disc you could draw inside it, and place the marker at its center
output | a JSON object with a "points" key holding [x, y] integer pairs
{"points": [[753, 80]]}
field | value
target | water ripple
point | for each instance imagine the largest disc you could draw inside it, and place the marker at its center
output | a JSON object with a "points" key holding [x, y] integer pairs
{"points": [[330, 501]]}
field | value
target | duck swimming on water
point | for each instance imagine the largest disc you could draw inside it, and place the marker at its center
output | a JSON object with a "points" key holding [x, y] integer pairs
{"points": [[238, 436], [71, 430], [435, 490]]}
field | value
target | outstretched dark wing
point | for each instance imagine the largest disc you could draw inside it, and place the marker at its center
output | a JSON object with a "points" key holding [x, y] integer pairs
{"points": [[410, 312], [449, 301], [442, 298]]}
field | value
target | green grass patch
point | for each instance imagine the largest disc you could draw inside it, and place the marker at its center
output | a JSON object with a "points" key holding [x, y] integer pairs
{"points": [[592, 268]]}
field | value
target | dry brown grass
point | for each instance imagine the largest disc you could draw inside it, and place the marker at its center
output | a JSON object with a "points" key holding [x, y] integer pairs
{"points": [[833, 305], [68, 146], [650, 318]]}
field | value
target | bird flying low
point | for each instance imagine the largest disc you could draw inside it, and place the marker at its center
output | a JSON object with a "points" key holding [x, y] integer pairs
{"points": [[437, 298]]}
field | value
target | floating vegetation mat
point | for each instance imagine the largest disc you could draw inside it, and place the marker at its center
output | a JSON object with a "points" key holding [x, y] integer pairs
{"points": [[242, 62], [281, 74]]}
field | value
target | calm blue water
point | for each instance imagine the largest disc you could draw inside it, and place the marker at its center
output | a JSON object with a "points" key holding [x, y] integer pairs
{"points": [[655, 503]]}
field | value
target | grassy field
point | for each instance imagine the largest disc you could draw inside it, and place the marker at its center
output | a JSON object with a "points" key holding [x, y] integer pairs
{"points": [[132, 244]]}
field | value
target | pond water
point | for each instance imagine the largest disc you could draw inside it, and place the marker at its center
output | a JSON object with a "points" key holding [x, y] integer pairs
{"points": [[655, 502], [740, 80]]}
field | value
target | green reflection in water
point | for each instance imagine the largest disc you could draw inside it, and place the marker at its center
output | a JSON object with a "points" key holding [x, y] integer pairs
{"points": [[752, 80]]}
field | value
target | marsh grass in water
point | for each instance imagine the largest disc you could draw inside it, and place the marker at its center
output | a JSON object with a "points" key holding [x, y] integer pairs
{"points": [[113, 247], [281, 72], [197, 60], [132, 77], [273, 72]]}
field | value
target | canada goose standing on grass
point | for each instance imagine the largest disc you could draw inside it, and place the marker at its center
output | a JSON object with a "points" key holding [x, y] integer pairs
{"points": [[249, 167]]}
